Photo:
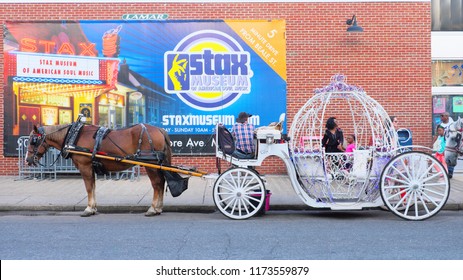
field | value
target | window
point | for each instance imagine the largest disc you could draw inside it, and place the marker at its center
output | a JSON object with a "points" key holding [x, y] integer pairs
{"points": [[447, 15]]}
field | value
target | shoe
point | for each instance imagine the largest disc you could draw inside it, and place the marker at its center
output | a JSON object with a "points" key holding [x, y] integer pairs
{"points": [[450, 176]]}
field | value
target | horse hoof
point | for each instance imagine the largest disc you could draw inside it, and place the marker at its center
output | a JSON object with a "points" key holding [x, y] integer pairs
{"points": [[152, 214], [87, 214]]}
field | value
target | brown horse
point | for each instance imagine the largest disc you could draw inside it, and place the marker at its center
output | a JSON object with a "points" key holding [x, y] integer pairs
{"points": [[121, 143]]}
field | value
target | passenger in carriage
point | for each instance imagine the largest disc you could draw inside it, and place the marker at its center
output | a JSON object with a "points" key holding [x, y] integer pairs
{"points": [[333, 139], [350, 139], [332, 142], [243, 133]]}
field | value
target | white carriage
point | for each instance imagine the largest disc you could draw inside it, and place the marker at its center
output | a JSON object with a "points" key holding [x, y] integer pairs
{"points": [[408, 181]]}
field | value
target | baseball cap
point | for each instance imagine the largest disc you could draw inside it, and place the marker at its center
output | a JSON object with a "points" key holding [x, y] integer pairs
{"points": [[242, 117]]}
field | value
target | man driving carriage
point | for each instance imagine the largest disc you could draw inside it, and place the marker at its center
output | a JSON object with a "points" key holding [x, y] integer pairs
{"points": [[243, 133]]}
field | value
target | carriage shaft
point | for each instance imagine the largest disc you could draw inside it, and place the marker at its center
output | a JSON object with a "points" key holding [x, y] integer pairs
{"points": [[151, 165]]}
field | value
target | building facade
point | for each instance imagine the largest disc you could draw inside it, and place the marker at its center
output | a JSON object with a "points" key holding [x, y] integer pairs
{"points": [[390, 59]]}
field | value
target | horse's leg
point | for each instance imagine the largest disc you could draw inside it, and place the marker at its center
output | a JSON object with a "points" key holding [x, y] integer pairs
{"points": [[157, 182], [89, 180], [451, 160]]}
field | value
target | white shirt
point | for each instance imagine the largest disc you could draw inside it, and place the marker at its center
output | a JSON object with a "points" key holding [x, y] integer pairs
{"points": [[445, 125]]}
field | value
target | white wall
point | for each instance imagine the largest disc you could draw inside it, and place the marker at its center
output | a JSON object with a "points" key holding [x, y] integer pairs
{"points": [[447, 45]]}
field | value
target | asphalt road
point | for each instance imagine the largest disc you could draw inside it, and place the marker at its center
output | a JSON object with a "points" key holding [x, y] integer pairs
{"points": [[286, 235]]}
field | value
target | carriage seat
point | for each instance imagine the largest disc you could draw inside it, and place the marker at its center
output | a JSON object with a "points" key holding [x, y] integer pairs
{"points": [[310, 144], [360, 166], [226, 143]]}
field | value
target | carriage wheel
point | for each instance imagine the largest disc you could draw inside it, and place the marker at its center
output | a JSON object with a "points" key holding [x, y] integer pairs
{"points": [[239, 193], [414, 186]]}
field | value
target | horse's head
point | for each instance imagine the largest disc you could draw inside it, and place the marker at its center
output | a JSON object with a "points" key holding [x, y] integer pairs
{"points": [[453, 142], [37, 146]]}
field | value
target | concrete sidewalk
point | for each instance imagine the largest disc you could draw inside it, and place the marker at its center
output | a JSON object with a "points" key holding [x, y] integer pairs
{"points": [[124, 196]]}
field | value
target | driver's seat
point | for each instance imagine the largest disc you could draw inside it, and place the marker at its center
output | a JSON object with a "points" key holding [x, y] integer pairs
{"points": [[225, 141]]}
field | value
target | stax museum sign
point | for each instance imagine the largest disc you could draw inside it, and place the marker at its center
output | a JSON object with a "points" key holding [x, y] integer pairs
{"points": [[56, 66]]}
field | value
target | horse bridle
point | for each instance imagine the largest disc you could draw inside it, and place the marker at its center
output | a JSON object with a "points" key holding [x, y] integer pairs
{"points": [[38, 140], [458, 139]]}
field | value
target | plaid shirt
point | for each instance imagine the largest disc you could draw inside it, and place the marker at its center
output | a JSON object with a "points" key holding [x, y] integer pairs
{"points": [[244, 137]]}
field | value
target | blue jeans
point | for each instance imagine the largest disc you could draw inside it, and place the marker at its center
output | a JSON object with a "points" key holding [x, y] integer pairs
{"points": [[242, 155]]}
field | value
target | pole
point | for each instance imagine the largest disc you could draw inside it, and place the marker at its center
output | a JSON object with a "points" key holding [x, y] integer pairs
{"points": [[157, 166]]}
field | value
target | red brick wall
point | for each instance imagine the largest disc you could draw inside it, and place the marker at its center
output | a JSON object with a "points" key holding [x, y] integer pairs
{"points": [[391, 59]]}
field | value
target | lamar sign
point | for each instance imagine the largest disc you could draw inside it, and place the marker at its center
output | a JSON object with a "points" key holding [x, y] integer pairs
{"points": [[145, 16]]}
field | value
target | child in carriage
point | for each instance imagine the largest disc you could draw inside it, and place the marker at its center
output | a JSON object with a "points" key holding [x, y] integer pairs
{"points": [[350, 139]]}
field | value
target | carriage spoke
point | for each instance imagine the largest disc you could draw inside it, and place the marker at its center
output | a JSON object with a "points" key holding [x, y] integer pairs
{"points": [[405, 166], [430, 199], [422, 179], [416, 204], [402, 200], [396, 187], [436, 184], [250, 197], [426, 173], [434, 192], [249, 184], [398, 193], [246, 204], [407, 206], [239, 207], [227, 196], [397, 180], [424, 205], [233, 200], [230, 182], [230, 188], [242, 181], [400, 173]]}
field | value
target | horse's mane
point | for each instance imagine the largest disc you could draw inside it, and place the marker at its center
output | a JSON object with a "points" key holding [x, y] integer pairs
{"points": [[56, 133]]}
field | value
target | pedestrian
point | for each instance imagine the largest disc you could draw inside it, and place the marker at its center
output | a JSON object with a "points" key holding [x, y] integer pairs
{"points": [[446, 120], [439, 146]]}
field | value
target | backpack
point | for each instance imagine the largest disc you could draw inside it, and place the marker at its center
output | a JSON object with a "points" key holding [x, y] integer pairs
{"points": [[225, 140]]}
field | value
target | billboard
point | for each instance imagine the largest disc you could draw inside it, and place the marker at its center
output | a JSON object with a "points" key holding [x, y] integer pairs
{"points": [[183, 76]]}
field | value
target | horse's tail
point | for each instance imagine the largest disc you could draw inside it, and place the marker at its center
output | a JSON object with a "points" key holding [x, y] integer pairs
{"points": [[167, 148]]}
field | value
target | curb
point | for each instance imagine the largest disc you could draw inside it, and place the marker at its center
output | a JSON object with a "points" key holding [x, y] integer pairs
{"points": [[111, 209]]}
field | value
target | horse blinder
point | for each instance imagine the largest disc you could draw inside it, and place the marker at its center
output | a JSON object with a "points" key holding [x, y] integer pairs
{"points": [[36, 141]]}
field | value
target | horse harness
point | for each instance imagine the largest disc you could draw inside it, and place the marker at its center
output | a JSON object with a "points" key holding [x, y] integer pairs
{"points": [[71, 138], [176, 183], [73, 135]]}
